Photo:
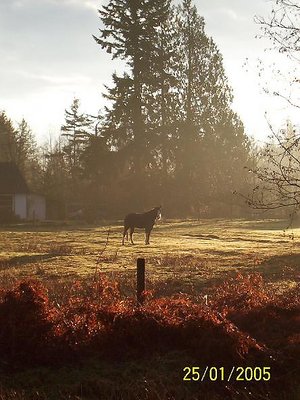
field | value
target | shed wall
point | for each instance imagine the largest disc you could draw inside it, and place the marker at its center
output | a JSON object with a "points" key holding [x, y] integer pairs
{"points": [[20, 205], [36, 207]]}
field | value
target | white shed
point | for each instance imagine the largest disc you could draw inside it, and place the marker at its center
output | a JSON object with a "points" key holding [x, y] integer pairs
{"points": [[15, 197]]}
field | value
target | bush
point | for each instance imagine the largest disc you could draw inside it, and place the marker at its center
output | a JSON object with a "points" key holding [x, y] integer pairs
{"points": [[26, 323], [242, 324]]}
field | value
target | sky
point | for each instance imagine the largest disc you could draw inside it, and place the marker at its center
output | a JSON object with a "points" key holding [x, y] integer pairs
{"points": [[48, 57]]}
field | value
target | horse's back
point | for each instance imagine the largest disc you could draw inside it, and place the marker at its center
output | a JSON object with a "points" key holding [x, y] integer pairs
{"points": [[131, 219], [129, 216], [138, 220]]}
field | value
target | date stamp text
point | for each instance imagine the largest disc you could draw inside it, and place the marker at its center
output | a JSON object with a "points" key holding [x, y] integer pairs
{"points": [[214, 374]]}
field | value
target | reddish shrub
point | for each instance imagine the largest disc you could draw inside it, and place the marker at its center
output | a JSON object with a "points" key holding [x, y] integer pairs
{"points": [[277, 324], [241, 293], [92, 318], [26, 322], [175, 324], [203, 331]]}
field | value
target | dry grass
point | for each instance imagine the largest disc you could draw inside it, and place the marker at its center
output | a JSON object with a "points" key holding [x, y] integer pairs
{"points": [[191, 253]]}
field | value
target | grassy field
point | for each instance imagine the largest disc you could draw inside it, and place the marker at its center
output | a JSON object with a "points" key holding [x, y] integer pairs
{"points": [[192, 257], [188, 254]]}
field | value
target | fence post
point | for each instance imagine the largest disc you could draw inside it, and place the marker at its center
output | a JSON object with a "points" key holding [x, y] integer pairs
{"points": [[140, 280]]}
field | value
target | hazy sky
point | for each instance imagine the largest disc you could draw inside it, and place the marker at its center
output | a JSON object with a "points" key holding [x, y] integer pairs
{"points": [[48, 56]]}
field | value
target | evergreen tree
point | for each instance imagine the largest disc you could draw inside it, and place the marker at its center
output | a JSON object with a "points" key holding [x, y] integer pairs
{"points": [[117, 124], [27, 155], [76, 130], [130, 31], [208, 132], [18, 145], [161, 103], [55, 179], [7, 139]]}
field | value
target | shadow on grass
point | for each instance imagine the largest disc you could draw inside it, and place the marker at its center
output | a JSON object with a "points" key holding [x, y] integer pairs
{"points": [[205, 237], [239, 238], [281, 266], [25, 260]]}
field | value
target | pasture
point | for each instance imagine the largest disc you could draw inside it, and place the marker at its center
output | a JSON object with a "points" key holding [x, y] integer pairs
{"points": [[140, 354], [187, 254]]}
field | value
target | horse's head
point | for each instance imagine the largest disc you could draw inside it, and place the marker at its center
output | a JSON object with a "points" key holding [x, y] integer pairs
{"points": [[158, 212]]}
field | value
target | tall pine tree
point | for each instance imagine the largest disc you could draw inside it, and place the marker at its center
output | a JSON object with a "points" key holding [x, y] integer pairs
{"points": [[207, 129], [130, 32], [76, 130]]}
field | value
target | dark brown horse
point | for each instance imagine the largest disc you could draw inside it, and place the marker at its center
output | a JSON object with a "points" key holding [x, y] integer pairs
{"points": [[145, 220]]}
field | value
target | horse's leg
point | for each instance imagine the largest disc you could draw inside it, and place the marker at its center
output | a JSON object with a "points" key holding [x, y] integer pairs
{"points": [[125, 233], [131, 233], [147, 232]]}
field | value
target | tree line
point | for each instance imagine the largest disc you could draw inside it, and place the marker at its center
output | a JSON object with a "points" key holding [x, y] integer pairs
{"points": [[167, 136]]}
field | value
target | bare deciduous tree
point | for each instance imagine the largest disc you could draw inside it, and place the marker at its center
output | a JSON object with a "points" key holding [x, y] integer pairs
{"points": [[278, 172]]}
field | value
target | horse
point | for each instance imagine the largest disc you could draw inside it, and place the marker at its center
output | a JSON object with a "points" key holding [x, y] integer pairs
{"points": [[145, 220]]}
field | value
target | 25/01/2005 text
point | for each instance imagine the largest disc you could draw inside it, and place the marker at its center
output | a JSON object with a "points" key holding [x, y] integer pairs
{"points": [[214, 374]]}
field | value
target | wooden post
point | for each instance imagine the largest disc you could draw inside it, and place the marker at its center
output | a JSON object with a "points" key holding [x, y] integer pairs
{"points": [[140, 280]]}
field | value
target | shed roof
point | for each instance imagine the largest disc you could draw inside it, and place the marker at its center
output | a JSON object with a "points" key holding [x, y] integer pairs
{"points": [[11, 179]]}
